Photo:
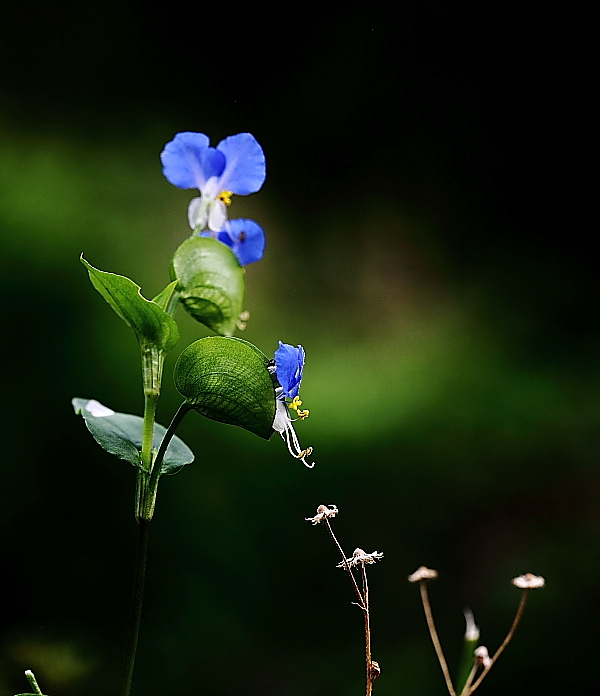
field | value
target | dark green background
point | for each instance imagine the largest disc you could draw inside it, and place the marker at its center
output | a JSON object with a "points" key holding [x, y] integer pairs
{"points": [[425, 243]]}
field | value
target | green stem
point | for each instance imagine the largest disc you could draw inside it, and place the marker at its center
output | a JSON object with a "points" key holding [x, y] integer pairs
{"points": [[152, 368], [177, 418], [136, 606], [466, 664], [145, 502], [148, 429], [32, 682]]}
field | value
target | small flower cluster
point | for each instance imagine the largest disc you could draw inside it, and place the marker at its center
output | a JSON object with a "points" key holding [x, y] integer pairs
{"points": [[235, 166]]}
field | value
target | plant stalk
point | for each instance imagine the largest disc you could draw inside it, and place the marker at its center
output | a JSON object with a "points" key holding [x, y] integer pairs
{"points": [[148, 429], [346, 566], [145, 502], [366, 616], [136, 606], [363, 603], [505, 642], [434, 636]]}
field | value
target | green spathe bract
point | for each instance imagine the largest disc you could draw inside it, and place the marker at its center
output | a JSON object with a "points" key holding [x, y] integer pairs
{"points": [[210, 283], [120, 434], [150, 323], [226, 379]]}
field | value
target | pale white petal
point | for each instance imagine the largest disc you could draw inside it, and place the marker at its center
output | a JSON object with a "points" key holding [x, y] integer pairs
{"points": [[197, 212], [97, 409], [281, 421], [217, 215]]}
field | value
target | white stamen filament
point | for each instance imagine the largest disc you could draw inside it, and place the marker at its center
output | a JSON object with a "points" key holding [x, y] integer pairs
{"points": [[283, 425]]}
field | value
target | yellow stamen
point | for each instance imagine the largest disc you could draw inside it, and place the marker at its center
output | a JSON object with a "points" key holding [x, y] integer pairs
{"points": [[295, 405], [304, 453], [225, 197]]}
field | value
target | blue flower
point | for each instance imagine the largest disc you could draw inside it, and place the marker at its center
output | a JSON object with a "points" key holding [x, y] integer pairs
{"points": [[289, 364], [235, 166], [244, 237]]}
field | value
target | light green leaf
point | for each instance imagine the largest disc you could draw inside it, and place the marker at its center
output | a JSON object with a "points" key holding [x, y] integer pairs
{"points": [[150, 323], [167, 298], [120, 434], [226, 379], [210, 283]]}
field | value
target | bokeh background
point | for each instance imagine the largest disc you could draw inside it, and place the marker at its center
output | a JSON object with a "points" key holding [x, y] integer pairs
{"points": [[426, 245]]}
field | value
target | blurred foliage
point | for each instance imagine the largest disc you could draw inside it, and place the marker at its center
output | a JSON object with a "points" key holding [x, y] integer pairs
{"points": [[451, 369]]}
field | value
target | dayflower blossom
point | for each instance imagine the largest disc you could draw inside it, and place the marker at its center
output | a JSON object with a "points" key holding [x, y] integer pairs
{"points": [[360, 557], [287, 369], [236, 165]]}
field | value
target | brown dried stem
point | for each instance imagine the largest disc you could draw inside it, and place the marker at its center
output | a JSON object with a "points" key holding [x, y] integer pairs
{"points": [[369, 663], [346, 566], [434, 636], [363, 602], [505, 642]]}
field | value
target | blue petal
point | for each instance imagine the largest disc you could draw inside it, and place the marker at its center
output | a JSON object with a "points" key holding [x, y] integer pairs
{"points": [[245, 238], [188, 161], [289, 363], [245, 168]]}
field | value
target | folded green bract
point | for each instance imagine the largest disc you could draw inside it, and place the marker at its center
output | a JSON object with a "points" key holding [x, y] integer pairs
{"points": [[227, 380], [210, 282]]}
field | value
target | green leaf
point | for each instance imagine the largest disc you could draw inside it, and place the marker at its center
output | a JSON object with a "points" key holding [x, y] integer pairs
{"points": [[150, 323], [210, 283], [120, 434], [226, 379], [167, 298]]}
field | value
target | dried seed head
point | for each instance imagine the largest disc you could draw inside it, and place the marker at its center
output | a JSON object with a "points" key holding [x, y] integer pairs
{"points": [[360, 557], [374, 670], [422, 573], [482, 656], [529, 581], [323, 512]]}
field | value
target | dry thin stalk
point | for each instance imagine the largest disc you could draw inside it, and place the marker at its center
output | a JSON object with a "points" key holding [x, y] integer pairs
{"points": [[346, 566], [369, 682], [372, 670], [505, 642], [434, 637]]}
